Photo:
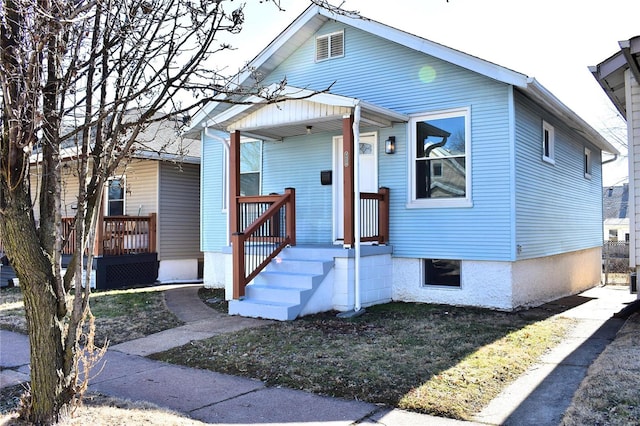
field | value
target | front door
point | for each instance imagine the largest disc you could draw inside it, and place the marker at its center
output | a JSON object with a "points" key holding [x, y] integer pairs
{"points": [[368, 155]]}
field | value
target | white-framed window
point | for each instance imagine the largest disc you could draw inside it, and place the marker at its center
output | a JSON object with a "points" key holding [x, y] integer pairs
{"points": [[441, 272], [330, 46], [587, 163], [440, 159], [548, 143], [115, 196], [250, 170]]}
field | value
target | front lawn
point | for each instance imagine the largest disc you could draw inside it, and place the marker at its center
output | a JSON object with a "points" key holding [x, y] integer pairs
{"points": [[440, 360]]}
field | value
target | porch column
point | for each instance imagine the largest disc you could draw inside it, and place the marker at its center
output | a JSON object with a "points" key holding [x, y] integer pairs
{"points": [[348, 179], [234, 181]]}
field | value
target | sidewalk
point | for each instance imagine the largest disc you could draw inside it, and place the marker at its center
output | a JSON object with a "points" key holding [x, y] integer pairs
{"points": [[539, 397]]}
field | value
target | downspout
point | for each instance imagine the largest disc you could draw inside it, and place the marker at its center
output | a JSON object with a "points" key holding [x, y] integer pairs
{"points": [[356, 207], [610, 160]]}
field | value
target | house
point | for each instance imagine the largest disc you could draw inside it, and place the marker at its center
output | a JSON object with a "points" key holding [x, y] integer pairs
{"points": [[150, 220], [615, 200], [396, 169], [618, 76]]}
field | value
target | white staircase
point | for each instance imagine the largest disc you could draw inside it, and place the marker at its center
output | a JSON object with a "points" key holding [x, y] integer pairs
{"points": [[281, 291]]}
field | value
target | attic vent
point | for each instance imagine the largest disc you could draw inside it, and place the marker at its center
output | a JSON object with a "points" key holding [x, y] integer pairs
{"points": [[330, 46]]}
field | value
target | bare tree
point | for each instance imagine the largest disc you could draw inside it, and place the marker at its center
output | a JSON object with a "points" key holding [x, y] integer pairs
{"points": [[87, 75]]}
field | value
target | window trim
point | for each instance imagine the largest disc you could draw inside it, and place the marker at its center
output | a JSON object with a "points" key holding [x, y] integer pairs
{"points": [[328, 37], [462, 202], [423, 275], [587, 163], [548, 145], [122, 178]]}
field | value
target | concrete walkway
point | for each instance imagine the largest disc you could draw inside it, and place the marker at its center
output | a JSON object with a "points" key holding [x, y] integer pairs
{"points": [[539, 397]]}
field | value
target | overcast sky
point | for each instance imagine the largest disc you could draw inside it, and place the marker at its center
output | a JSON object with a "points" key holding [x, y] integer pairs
{"points": [[552, 40]]}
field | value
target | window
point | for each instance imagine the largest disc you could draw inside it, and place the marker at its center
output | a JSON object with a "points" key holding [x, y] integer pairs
{"points": [[115, 196], [613, 235], [548, 142], [330, 46], [250, 162], [441, 272], [587, 163], [441, 164]]}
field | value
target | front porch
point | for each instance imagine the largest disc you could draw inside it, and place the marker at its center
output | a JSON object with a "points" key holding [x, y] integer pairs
{"points": [[267, 274]]}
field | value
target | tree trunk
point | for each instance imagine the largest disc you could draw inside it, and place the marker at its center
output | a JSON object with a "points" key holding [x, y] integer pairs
{"points": [[51, 385]]}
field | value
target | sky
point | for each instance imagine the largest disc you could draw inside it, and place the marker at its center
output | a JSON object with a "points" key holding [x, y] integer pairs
{"points": [[552, 40]]}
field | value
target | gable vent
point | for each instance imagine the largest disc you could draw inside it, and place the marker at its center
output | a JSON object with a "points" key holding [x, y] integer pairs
{"points": [[330, 46]]}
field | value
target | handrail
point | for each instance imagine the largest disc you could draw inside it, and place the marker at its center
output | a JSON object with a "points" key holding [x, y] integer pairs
{"points": [[374, 216], [263, 239]]}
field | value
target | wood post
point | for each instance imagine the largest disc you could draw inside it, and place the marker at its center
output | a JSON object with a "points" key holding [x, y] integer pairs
{"points": [[383, 216], [291, 214], [348, 179], [234, 181], [152, 232], [238, 265]]}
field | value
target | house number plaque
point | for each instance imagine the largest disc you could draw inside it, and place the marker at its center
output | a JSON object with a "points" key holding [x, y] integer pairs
{"points": [[346, 158]]}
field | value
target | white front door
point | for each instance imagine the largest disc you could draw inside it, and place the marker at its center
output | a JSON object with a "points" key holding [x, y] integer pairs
{"points": [[368, 176]]}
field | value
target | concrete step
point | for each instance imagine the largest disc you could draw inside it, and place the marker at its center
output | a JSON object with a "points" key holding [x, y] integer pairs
{"points": [[276, 294], [293, 265], [255, 308]]}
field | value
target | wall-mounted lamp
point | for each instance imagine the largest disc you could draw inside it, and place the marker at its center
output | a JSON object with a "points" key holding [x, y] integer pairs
{"points": [[390, 145], [309, 129]]}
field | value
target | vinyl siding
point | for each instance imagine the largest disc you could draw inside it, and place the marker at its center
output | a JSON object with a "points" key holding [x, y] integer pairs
{"points": [[557, 209], [297, 163], [633, 123], [178, 212], [141, 198], [213, 220], [384, 73]]}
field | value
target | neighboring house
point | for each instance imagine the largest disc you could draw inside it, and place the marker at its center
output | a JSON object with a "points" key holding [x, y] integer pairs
{"points": [[615, 201], [619, 76], [476, 186], [150, 223]]}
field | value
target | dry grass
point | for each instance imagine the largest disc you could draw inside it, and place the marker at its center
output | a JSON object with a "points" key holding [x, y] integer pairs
{"points": [[610, 394], [121, 315], [99, 410], [434, 359]]}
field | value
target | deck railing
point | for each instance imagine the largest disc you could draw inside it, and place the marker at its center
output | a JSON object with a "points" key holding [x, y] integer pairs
{"points": [[121, 235], [267, 225], [374, 216], [118, 235]]}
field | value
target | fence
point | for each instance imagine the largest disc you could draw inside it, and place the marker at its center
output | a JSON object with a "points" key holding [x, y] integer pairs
{"points": [[615, 262]]}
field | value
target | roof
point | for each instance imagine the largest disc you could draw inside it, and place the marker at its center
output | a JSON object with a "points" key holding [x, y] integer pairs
{"points": [[310, 21], [610, 73], [615, 200], [161, 140]]}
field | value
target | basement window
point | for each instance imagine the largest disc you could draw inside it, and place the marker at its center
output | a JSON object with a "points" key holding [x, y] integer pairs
{"points": [[330, 46], [441, 272]]}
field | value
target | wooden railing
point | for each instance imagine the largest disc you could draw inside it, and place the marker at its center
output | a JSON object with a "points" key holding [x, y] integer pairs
{"points": [[116, 235], [120, 235], [374, 216], [267, 225]]}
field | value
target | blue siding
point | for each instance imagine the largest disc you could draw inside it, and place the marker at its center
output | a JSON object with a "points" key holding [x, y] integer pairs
{"points": [[381, 72], [213, 221], [557, 208], [297, 163]]}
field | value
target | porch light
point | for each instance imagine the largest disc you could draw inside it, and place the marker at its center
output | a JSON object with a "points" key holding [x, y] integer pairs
{"points": [[309, 129], [390, 145]]}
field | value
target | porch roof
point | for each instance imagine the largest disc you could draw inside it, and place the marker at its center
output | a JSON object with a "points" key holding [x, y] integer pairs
{"points": [[297, 112]]}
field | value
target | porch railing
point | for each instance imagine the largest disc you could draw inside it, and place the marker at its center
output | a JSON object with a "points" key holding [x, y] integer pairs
{"points": [[374, 216], [117, 235], [267, 225], [121, 235]]}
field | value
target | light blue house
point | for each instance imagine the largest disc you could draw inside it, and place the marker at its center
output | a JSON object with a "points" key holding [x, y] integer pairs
{"points": [[476, 185]]}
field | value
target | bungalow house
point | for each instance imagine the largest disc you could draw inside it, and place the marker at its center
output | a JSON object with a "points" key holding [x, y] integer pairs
{"points": [[150, 222], [619, 77], [396, 169]]}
